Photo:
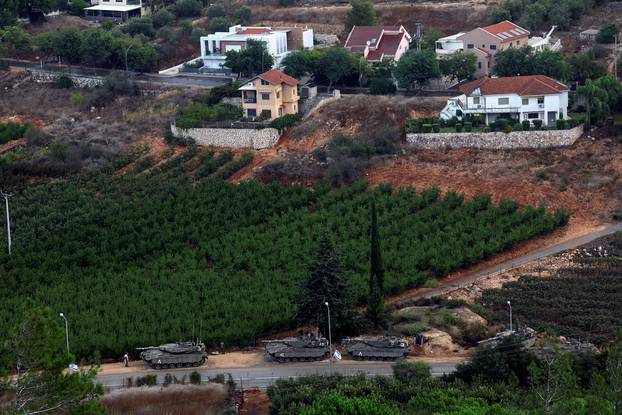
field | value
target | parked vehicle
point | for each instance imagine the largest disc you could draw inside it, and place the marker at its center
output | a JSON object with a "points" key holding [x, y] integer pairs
{"points": [[377, 348], [308, 347], [171, 355]]}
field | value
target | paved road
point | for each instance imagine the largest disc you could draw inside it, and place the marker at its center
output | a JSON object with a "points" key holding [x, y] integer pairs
{"points": [[200, 81], [609, 229], [263, 376]]}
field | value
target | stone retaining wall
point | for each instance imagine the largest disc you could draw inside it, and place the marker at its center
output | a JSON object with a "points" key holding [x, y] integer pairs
{"points": [[78, 80], [230, 137], [496, 140]]}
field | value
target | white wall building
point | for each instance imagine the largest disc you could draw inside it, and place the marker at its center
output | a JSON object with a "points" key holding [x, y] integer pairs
{"points": [[536, 97], [279, 42], [449, 44], [116, 10]]}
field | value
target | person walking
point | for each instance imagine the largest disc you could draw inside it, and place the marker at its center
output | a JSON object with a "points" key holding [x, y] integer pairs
{"points": [[126, 360]]}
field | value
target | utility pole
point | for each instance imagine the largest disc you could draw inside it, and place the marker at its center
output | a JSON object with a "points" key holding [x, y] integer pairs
{"points": [[418, 24], [330, 340], [8, 219], [126, 51], [66, 330]]}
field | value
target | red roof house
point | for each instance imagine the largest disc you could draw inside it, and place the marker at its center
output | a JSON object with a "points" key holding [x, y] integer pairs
{"points": [[376, 43]]}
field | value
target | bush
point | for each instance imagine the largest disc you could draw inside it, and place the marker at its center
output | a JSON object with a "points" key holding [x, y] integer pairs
{"points": [[147, 380], [162, 18], [607, 33], [487, 129], [501, 124], [427, 128], [526, 124], [492, 126], [381, 86], [468, 127], [244, 15], [436, 127], [286, 121], [77, 7], [140, 26], [411, 372], [216, 10], [219, 24], [537, 124], [458, 128], [507, 129], [413, 125], [561, 124], [12, 131], [195, 378], [188, 8], [518, 127], [196, 34], [63, 82], [76, 98], [36, 137]]}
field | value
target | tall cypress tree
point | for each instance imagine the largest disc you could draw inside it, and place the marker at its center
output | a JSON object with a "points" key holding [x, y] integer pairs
{"points": [[325, 282], [375, 301]]}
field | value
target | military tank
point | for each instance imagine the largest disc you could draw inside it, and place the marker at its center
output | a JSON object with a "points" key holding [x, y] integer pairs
{"points": [[297, 349], [377, 348], [170, 355]]}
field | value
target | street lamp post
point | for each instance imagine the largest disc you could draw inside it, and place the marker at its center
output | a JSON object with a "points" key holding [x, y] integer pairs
{"points": [[126, 52], [8, 219], [66, 331], [510, 305], [330, 339]]}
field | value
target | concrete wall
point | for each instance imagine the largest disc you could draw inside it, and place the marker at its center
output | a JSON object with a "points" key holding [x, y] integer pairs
{"points": [[497, 140], [230, 137]]}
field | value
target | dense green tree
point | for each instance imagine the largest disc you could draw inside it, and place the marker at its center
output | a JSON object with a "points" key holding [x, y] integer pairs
{"points": [[244, 15], [596, 102], [412, 372], [95, 47], [187, 8], [458, 66], [429, 40], [513, 62], [607, 33], [336, 404], [551, 64], [77, 7], [251, 60], [299, 63], [361, 14], [336, 64], [33, 363], [14, 39], [140, 26], [375, 299], [325, 282], [382, 86], [614, 373], [583, 66], [162, 18], [219, 24], [416, 68], [552, 379]]}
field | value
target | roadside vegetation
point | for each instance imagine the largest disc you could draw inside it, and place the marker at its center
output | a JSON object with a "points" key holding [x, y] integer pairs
{"points": [[213, 252]]}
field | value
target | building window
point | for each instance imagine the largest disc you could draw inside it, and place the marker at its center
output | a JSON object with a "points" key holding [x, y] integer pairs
{"points": [[483, 46], [510, 44], [479, 65], [266, 114], [251, 112], [265, 96], [493, 47], [533, 115], [470, 46], [476, 100], [504, 101], [540, 100], [525, 101], [264, 82], [518, 42], [278, 95]]}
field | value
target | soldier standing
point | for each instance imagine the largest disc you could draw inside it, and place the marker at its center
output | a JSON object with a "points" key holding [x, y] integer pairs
{"points": [[126, 360]]}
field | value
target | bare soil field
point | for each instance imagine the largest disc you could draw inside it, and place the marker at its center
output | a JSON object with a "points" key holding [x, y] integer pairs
{"points": [[209, 399], [255, 402]]}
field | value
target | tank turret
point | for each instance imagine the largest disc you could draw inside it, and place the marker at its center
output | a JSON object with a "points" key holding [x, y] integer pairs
{"points": [[171, 355], [297, 349], [377, 348]]}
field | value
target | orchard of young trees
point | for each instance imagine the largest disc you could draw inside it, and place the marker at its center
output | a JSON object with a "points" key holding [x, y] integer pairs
{"points": [[135, 261]]}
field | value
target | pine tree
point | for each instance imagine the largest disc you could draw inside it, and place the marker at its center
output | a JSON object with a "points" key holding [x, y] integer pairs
{"points": [[325, 283], [362, 13], [375, 301]]}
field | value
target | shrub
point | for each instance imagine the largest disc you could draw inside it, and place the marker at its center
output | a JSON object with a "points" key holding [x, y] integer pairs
{"points": [[168, 379], [473, 333], [411, 372], [413, 125], [216, 10], [76, 98], [427, 128], [195, 378], [507, 129], [286, 121], [187, 8], [607, 33], [12, 131], [186, 26], [518, 127], [571, 123], [37, 137], [458, 128], [140, 26], [244, 15], [487, 129], [196, 34], [219, 24], [526, 124], [501, 123], [492, 126], [561, 124], [381, 86], [436, 127], [77, 7], [162, 18], [147, 380], [63, 82], [468, 127], [537, 124]]}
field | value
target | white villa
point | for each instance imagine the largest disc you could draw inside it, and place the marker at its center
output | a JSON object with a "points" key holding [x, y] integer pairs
{"points": [[279, 42], [116, 10], [535, 97]]}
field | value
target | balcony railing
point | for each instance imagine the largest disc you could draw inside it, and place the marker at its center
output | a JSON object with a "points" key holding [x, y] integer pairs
{"points": [[481, 108], [250, 100]]}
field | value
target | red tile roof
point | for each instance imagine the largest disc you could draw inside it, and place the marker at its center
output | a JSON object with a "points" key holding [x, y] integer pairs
{"points": [[359, 35], [506, 30], [521, 85], [274, 76], [254, 31]]}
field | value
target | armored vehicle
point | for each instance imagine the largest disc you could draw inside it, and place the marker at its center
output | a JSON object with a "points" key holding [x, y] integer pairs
{"points": [[297, 349], [172, 355], [377, 348]]}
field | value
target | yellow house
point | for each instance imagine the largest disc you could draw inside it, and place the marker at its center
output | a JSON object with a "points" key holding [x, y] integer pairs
{"points": [[270, 95]]}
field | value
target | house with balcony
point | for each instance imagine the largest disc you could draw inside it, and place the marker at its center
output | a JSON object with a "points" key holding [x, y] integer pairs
{"points": [[376, 43], [115, 10], [535, 97], [486, 41], [270, 95], [279, 42]]}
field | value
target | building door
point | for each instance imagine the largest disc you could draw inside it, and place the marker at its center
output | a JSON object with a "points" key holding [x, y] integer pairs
{"points": [[552, 118]]}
